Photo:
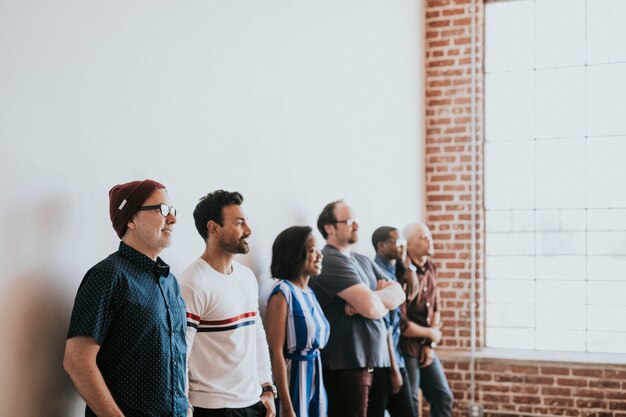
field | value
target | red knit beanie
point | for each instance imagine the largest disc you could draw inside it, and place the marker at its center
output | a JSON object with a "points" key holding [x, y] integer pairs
{"points": [[126, 199]]}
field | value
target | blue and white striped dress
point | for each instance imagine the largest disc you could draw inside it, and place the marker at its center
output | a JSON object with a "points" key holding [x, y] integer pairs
{"points": [[306, 333]]}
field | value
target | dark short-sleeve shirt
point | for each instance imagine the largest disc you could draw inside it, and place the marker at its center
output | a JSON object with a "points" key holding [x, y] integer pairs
{"points": [[392, 319], [131, 306], [355, 341]]}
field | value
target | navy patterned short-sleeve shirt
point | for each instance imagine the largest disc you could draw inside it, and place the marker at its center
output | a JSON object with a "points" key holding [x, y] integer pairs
{"points": [[131, 306]]}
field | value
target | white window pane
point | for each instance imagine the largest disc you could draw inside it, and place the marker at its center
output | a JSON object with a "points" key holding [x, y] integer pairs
{"points": [[510, 244], [508, 175], [608, 342], [606, 185], [561, 317], [560, 267], [510, 267], [617, 31], [560, 243], [617, 98], [599, 91], [618, 219], [555, 170], [606, 219], [509, 106], [560, 173], [508, 42], [598, 219], [499, 337], [510, 291], [599, 31], [565, 340], [572, 219], [606, 268], [510, 315], [606, 32], [606, 293], [605, 99], [560, 103], [561, 292], [523, 220], [547, 220], [498, 221], [559, 33], [606, 243], [606, 318]]}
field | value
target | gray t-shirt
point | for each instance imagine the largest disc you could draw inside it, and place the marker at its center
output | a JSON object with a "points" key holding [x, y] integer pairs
{"points": [[355, 342]]}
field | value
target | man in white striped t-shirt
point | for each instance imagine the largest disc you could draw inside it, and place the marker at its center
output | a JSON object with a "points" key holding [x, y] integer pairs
{"points": [[228, 358]]}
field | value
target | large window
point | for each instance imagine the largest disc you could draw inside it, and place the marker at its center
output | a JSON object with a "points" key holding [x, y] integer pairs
{"points": [[555, 174]]}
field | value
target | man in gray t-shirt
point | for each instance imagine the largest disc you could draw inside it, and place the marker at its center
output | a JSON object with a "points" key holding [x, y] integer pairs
{"points": [[355, 296]]}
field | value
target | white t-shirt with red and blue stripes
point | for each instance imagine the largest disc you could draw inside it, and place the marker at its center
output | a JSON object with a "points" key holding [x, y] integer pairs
{"points": [[227, 353]]}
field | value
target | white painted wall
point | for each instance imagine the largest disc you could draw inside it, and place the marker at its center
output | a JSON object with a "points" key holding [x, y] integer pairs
{"points": [[292, 103]]}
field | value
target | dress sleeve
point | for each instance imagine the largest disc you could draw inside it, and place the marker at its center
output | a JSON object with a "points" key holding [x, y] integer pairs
{"points": [[93, 310], [280, 287]]}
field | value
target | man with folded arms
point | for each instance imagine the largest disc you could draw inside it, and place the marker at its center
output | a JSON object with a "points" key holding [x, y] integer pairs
{"points": [[355, 295]]}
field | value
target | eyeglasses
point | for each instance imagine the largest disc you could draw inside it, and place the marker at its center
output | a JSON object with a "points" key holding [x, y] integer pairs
{"points": [[348, 222], [165, 209]]}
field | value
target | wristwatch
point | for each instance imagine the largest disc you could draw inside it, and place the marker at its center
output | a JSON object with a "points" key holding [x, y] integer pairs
{"points": [[270, 388], [433, 344], [412, 267]]}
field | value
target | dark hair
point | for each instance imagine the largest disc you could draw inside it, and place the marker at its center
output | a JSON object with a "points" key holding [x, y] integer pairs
{"points": [[210, 208], [289, 252], [327, 216], [381, 234]]}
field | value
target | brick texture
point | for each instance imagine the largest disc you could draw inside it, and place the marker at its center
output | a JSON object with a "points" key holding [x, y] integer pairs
{"points": [[534, 387], [507, 386], [448, 160]]}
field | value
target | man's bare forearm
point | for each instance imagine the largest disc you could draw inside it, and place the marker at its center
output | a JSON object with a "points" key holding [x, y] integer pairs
{"points": [[80, 363], [392, 295]]}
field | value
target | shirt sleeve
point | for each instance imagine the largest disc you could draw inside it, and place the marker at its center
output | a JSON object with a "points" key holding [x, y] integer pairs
{"points": [[404, 318], [264, 366], [378, 272], [193, 309], [338, 273], [437, 300], [92, 312]]}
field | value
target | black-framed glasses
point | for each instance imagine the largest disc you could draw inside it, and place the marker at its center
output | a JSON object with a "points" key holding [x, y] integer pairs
{"points": [[348, 222], [165, 209]]}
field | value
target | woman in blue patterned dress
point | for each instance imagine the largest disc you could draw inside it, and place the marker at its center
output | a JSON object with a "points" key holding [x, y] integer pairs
{"points": [[296, 326]]}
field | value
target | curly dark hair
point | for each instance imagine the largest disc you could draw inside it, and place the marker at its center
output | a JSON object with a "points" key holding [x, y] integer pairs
{"points": [[327, 216], [210, 208], [289, 252]]}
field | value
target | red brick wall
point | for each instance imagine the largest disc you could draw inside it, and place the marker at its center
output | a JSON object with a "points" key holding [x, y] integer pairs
{"points": [[549, 388], [448, 159], [533, 387]]}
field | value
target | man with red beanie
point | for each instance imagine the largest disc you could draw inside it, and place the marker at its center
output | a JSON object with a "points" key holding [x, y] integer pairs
{"points": [[125, 349]]}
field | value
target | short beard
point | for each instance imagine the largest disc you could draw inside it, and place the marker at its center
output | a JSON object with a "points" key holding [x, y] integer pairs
{"points": [[240, 248]]}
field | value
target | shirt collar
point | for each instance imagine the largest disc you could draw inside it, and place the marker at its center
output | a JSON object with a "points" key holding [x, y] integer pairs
{"points": [[422, 269], [385, 264], [157, 268]]}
